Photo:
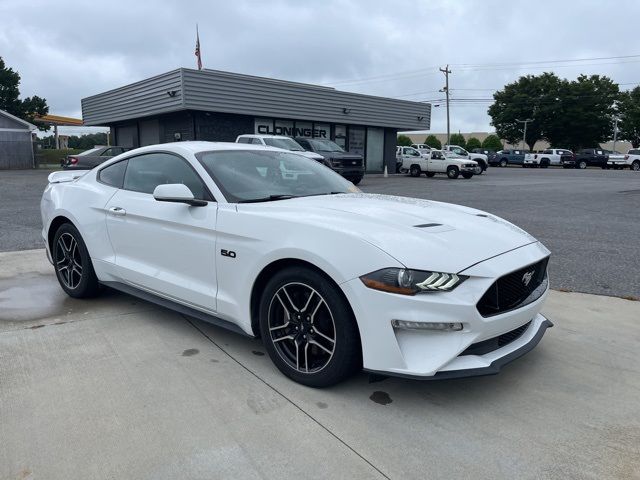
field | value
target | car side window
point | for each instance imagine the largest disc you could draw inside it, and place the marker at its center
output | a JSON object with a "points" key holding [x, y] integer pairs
{"points": [[244, 140], [108, 153], [113, 175], [145, 172], [257, 141], [303, 143]]}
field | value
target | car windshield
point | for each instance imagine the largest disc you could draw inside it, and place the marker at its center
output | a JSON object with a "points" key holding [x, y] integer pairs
{"points": [[285, 143], [325, 145], [257, 176], [90, 152]]}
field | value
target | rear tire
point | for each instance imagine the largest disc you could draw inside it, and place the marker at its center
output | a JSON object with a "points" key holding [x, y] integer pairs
{"points": [[582, 165], [635, 166], [415, 171], [356, 180], [302, 312], [72, 263], [453, 172]]}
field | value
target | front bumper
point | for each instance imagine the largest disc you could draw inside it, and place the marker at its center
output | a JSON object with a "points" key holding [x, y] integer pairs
{"points": [[431, 354]]}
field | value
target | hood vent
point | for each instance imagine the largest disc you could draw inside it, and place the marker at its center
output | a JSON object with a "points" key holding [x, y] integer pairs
{"points": [[427, 225]]}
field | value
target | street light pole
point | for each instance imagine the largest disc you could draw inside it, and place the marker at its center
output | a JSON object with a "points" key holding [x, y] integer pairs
{"points": [[615, 134], [524, 135], [446, 72]]}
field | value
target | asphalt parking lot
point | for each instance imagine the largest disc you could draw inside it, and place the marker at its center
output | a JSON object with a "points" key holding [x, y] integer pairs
{"points": [[115, 387], [589, 219]]}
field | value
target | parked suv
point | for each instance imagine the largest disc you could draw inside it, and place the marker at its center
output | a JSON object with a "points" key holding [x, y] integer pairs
{"points": [[509, 157], [349, 165], [587, 157], [279, 141]]}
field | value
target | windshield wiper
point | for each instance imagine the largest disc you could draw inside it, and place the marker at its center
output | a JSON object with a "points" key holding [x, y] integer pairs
{"points": [[267, 199], [324, 193]]}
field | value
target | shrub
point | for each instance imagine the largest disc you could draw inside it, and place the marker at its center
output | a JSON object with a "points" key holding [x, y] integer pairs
{"points": [[404, 141], [457, 139], [492, 142], [433, 142], [472, 143]]}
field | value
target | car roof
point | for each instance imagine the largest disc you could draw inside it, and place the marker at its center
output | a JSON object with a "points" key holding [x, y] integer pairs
{"points": [[199, 146], [260, 135]]}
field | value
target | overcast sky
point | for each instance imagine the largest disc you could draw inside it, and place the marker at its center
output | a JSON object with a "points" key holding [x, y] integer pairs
{"points": [[67, 50]]}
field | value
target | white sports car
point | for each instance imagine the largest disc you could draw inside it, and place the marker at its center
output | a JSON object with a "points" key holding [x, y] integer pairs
{"points": [[270, 244]]}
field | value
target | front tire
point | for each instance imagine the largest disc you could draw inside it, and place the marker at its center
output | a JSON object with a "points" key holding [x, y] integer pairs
{"points": [[582, 165], [72, 263], [453, 172], [635, 166], [503, 162], [356, 180], [308, 328], [415, 171], [467, 175], [430, 174]]}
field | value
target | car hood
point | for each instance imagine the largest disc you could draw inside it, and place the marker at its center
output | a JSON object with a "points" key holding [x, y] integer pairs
{"points": [[311, 155], [420, 234]]}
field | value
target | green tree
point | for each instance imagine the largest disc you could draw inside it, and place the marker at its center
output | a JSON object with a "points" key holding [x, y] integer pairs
{"points": [[530, 97], [492, 142], [404, 141], [10, 102], [472, 143], [457, 139], [433, 142], [629, 112]]}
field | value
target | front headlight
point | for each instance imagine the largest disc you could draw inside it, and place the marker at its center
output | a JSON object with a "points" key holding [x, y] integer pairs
{"points": [[410, 282]]}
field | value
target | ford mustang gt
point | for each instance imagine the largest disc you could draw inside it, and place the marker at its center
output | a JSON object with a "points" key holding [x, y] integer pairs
{"points": [[270, 244]]}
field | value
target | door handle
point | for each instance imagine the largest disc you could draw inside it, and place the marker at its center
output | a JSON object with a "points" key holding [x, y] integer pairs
{"points": [[120, 212]]}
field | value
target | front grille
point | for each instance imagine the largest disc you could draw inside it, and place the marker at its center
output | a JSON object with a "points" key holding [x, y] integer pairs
{"points": [[486, 346], [513, 291], [351, 162]]}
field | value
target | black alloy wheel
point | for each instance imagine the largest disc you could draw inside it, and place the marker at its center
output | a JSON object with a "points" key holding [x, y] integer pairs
{"points": [[308, 328], [72, 263]]}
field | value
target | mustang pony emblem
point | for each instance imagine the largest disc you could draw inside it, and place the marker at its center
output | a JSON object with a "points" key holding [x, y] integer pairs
{"points": [[526, 278]]}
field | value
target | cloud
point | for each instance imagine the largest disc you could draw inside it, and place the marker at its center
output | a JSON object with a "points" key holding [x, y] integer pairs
{"points": [[74, 49]]}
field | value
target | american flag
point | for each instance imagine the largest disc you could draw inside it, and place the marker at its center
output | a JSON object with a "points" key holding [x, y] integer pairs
{"points": [[198, 49]]}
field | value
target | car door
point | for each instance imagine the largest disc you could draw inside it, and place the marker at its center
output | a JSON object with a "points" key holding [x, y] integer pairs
{"points": [[436, 162], [166, 248]]}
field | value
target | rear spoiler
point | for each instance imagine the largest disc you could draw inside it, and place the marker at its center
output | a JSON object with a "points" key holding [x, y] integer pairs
{"points": [[66, 176]]}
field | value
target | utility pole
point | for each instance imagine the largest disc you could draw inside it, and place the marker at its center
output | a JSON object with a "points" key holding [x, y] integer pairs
{"points": [[446, 72], [615, 134], [524, 135]]}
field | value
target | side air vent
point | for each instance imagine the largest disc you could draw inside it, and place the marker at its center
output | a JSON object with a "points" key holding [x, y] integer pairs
{"points": [[427, 225]]}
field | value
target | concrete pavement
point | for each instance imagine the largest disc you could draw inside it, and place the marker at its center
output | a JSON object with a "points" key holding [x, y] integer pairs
{"points": [[118, 388]]}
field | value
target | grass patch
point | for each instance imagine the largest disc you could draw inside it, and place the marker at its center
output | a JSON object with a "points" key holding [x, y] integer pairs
{"points": [[53, 156]]}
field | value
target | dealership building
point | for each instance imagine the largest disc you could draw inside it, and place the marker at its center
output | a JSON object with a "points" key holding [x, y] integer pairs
{"points": [[212, 105]]}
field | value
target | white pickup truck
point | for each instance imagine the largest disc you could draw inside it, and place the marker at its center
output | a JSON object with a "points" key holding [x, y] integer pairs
{"points": [[619, 161], [546, 158], [436, 162], [480, 158]]}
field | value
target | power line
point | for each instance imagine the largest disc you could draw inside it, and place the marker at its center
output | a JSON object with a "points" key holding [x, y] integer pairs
{"points": [[485, 66]]}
